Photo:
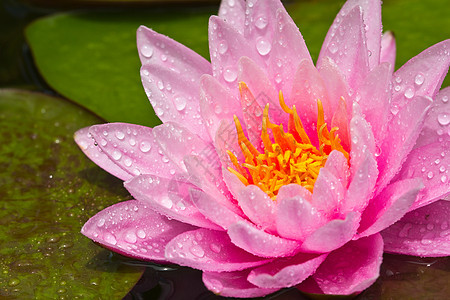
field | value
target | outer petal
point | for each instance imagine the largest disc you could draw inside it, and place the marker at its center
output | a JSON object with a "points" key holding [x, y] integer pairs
{"points": [[133, 229], [332, 235], [174, 97], [209, 250], [389, 206], [431, 163], [233, 284], [296, 217], [133, 148], [85, 141], [260, 243], [371, 20], [423, 232], [226, 46], [286, 273], [346, 45], [401, 136], [348, 270], [422, 75], [328, 193], [233, 12], [388, 48], [169, 197]]}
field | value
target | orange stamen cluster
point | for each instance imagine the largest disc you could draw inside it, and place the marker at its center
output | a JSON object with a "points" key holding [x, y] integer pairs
{"points": [[291, 158]]}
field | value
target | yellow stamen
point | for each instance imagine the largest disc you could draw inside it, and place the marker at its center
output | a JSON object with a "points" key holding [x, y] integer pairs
{"points": [[290, 157]]}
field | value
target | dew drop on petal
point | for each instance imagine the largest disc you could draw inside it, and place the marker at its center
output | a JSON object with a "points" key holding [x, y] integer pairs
{"points": [[263, 46], [147, 51], [180, 103], [216, 248], [166, 202], [409, 93], [229, 74], [101, 222], [430, 175], [443, 119], [419, 79], [444, 99], [110, 238], [333, 48], [444, 178], [223, 47], [197, 251], [261, 22], [116, 155], [145, 146], [120, 135], [130, 237], [141, 234]]}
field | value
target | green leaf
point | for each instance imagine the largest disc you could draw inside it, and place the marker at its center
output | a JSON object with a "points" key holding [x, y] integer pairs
{"points": [[48, 190], [91, 58]]}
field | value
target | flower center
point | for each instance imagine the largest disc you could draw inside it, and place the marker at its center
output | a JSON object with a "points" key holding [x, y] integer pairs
{"points": [[290, 157]]}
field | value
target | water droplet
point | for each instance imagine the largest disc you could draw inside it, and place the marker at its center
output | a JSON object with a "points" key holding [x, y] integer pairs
{"points": [[166, 202], [130, 237], [180, 103], [141, 234], [394, 109], [409, 93], [444, 178], [223, 47], [216, 248], [116, 155], [101, 222], [419, 79], [430, 226], [145, 146], [231, 3], [229, 74], [127, 162], [430, 175], [216, 286], [110, 238], [442, 169], [147, 51], [405, 230], [160, 85], [197, 251], [333, 48], [263, 46], [218, 109], [120, 135], [444, 99], [261, 22], [398, 79], [443, 119]]}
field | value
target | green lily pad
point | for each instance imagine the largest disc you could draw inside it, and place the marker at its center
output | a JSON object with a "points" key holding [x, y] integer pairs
{"points": [[91, 58], [48, 190]]}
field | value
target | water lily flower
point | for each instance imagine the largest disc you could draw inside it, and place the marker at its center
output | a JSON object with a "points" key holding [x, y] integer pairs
{"points": [[269, 171]]}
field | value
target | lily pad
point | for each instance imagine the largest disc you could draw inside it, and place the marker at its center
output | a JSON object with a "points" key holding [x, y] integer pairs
{"points": [[91, 58], [48, 190]]}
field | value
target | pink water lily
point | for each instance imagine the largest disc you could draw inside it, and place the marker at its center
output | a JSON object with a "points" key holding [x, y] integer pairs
{"points": [[270, 172]]}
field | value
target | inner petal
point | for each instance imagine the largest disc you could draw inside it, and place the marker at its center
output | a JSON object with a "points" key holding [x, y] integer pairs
{"points": [[287, 156]]}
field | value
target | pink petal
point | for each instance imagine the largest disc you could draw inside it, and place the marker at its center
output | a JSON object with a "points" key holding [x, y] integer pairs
{"points": [[227, 139], [260, 243], [436, 127], [350, 269], [422, 75], [263, 91], [328, 193], [335, 83], [177, 141], [216, 104], [85, 141], [174, 97], [332, 235], [235, 186], [424, 232], [341, 121], [389, 206], [233, 12], [296, 218], [226, 46], [169, 197], [371, 25], [308, 87], [286, 272], [288, 50], [432, 164], [388, 48], [209, 250], [346, 45], [216, 210], [337, 165], [258, 207], [233, 284], [157, 49], [133, 148], [132, 229], [401, 135], [374, 98]]}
